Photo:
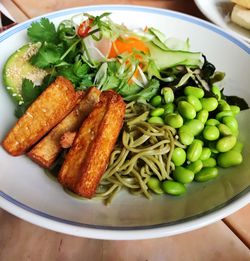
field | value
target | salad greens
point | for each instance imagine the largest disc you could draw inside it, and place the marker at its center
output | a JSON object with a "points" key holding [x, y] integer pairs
{"points": [[94, 51]]}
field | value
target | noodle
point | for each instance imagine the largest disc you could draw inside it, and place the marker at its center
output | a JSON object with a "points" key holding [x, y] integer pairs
{"points": [[143, 150]]}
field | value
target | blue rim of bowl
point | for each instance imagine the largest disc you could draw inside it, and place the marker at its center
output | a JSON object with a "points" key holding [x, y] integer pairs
{"points": [[5, 35]]}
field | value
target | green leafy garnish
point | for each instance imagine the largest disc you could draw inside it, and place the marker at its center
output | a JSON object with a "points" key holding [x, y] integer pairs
{"points": [[49, 54], [42, 31], [29, 93]]}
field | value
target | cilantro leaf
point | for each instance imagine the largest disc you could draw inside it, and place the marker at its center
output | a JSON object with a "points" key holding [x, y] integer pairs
{"points": [[80, 69], [42, 31], [29, 93], [49, 54], [68, 72]]}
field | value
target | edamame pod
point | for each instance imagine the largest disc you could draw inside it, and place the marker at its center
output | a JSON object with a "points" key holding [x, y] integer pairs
{"points": [[157, 112], [195, 102], [194, 150], [229, 159], [155, 185], [195, 166], [156, 120], [195, 91], [231, 122], [174, 120], [205, 154], [226, 143], [224, 129], [209, 104], [169, 108], [235, 109], [186, 110], [186, 138], [222, 114], [210, 162], [202, 116], [183, 175], [206, 174], [168, 94], [194, 126], [211, 133], [156, 101], [178, 156], [223, 106], [173, 188], [212, 122]]}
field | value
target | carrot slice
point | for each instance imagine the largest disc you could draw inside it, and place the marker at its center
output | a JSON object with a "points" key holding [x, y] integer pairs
{"points": [[120, 46]]}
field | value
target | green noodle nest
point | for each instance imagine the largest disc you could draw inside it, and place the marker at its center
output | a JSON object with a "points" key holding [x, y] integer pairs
{"points": [[143, 150]]}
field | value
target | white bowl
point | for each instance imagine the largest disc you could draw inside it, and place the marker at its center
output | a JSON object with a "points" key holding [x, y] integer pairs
{"points": [[28, 193]]}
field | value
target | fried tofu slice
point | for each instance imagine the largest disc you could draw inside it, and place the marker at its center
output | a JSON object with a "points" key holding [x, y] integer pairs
{"points": [[67, 139], [43, 114], [46, 151], [89, 155]]}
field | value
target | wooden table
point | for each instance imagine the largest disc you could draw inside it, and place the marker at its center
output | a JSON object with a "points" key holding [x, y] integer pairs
{"points": [[228, 239]]}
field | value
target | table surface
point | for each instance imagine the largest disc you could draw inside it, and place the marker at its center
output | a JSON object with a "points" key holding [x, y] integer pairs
{"points": [[228, 239]]}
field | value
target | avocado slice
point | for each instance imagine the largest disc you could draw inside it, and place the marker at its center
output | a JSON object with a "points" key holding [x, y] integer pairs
{"points": [[17, 67]]}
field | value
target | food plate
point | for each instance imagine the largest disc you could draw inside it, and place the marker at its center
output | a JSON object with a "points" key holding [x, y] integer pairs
{"points": [[28, 193], [218, 11]]}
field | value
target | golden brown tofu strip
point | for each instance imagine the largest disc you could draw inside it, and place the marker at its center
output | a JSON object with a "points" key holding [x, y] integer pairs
{"points": [[44, 113], [71, 168], [89, 155], [47, 150]]}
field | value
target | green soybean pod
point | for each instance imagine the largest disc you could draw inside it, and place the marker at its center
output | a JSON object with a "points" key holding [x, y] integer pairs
{"points": [[168, 94], [194, 150], [195, 102], [195, 91], [235, 109], [178, 156], [210, 162], [216, 91], [205, 153], [222, 114], [173, 188], [195, 126], [157, 112], [174, 120], [212, 122], [186, 110], [156, 120], [229, 159], [183, 175], [195, 166], [169, 108], [155, 185], [226, 143], [224, 129], [209, 104], [238, 146], [211, 133], [206, 174], [202, 116], [223, 106], [186, 138], [231, 122], [156, 101]]}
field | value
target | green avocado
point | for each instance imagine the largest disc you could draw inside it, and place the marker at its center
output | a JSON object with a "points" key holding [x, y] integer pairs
{"points": [[18, 67]]}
